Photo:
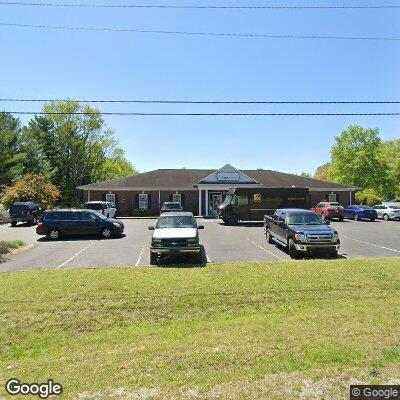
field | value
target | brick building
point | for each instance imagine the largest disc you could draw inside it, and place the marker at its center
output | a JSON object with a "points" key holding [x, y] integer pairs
{"points": [[200, 190]]}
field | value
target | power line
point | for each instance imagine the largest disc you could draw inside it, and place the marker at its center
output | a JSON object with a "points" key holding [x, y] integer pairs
{"points": [[226, 34], [205, 114], [199, 7], [141, 101]]}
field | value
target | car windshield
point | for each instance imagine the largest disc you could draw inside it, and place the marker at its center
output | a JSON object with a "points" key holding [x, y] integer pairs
{"points": [[93, 206], [174, 206], [228, 199], [304, 219], [176, 222], [18, 208]]}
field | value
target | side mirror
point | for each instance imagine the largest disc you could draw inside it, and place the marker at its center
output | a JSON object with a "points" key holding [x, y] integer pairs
{"points": [[200, 227], [151, 228], [327, 222]]}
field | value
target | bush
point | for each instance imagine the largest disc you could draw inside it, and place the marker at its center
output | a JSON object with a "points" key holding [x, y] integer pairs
{"points": [[367, 197], [4, 215], [31, 187], [142, 212]]}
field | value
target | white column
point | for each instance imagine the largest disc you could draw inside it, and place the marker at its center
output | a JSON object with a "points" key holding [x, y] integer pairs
{"points": [[159, 199], [199, 201], [350, 197], [88, 195], [206, 202]]}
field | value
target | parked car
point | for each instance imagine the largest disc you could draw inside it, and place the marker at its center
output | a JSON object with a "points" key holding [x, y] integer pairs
{"points": [[175, 233], [103, 207], [28, 211], [171, 206], [358, 212], [329, 210], [57, 223], [387, 212], [301, 231]]}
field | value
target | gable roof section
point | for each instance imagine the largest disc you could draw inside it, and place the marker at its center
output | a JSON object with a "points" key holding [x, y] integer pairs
{"points": [[186, 179], [228, 174]]}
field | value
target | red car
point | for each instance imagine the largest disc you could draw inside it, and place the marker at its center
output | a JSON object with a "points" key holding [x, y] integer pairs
{"points": [[329, 210]]}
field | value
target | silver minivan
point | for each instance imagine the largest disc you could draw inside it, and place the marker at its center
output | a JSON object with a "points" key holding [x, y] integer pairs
{"points": [[387, 212]]}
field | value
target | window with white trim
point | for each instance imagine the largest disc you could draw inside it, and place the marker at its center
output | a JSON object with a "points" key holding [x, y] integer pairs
{"points": [[143, 201], [332, 197], [110, 198], [177, 197]]}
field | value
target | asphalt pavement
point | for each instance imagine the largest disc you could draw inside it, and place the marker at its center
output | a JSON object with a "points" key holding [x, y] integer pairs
{"points": [[221, 243]]}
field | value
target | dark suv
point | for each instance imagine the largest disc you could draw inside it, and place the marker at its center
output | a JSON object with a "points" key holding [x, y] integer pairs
{"points": [[25, 212], [56, 223]]}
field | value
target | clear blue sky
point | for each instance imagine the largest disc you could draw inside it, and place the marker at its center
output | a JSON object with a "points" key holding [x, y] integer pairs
{"points": [[47, 63]]}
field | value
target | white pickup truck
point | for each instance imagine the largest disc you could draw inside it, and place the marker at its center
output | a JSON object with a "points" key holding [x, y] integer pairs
{"points": [[175, 233]]}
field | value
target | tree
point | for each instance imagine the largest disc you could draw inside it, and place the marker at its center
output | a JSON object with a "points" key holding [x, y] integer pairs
{"points": [[356, 159], [11, 158], [31, 187], [390, 154], [75, 145], [367, 197], [306, 175], [115, 166], [322, 173]]}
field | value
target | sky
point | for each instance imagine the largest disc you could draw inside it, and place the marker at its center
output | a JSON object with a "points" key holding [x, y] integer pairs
{"points": [[39, 63]]}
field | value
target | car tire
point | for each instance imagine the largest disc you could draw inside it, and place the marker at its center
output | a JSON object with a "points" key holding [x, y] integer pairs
{"points": [[341, 219], [13, 223], [333, 254], [386, 217], [106, 233], [54, 234], [196, 258], [372, 219], [269, 237], [293, 253], [355, 217], [153, 258], [234, 220]]}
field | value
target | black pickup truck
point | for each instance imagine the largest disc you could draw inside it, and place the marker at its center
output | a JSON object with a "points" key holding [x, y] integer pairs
{"points": [[301, 231]]}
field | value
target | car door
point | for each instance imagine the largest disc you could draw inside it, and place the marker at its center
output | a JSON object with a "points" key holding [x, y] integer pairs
{"points": [[89, 223], [280, 227], [349, 212], [380, 210]]}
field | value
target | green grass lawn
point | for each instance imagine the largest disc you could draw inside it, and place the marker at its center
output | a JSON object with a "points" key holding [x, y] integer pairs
{"points": [[275, 330]]}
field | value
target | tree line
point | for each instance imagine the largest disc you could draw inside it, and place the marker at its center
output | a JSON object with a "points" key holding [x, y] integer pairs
{"points": [[68, 149]]}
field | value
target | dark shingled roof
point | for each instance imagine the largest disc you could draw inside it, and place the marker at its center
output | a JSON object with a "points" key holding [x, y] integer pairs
{"points": [[186, 178]]}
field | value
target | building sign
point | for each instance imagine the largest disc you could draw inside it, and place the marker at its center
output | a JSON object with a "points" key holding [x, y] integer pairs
{"points": [[257, 198], [228, 176]]}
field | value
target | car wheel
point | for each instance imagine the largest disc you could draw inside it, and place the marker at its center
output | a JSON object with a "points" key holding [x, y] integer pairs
{"points": [[106, 233], [341, 219], [386, 217], [153, 258], [292, 250], [233, 220], [372, 219], [13, 223], [54, 234], [333, 254], [196, 258], [269, 237], [355, 217]]}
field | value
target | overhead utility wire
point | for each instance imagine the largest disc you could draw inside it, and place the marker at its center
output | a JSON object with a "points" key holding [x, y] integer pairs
{"points": [[140, 101], [230, 34], [202, 114], [222, 7]]}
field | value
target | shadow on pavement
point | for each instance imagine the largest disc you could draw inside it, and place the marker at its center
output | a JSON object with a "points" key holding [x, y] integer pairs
{"points": [[182, 261]]}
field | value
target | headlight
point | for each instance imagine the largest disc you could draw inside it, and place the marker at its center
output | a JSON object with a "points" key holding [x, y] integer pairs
{"points": [[117, 224], [192, 242], [300, 237], [156, 242], [335, 237]]}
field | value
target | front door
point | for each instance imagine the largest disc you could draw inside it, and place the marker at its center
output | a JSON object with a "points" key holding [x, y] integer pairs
{"points": [[215, 201]]}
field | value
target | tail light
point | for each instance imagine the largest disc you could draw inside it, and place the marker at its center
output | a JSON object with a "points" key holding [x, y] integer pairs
{"points": [[40, 224]]}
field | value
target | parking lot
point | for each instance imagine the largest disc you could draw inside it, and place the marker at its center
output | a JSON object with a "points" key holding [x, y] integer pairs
{"points": [[221, 243]]}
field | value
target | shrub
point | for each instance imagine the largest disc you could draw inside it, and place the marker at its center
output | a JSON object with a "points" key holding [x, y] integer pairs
{"points": [[142, 212], [367, 197], [31, 187], [4, 215]]}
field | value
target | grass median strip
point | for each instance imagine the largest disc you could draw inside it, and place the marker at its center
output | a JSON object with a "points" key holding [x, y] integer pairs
{"points": [[7, 246], [222, 331]]}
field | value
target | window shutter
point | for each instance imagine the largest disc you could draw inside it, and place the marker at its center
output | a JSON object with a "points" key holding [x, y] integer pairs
{"points": [[103, 196], [116, 201], [136, 205], [170, 197], [183, 199], [149, 201], [338, 197]]}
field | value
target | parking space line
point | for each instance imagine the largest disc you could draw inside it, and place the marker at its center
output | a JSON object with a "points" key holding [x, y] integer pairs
{"points": [[140, 257], [75, 255], [263, 248], [371, 244]]}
